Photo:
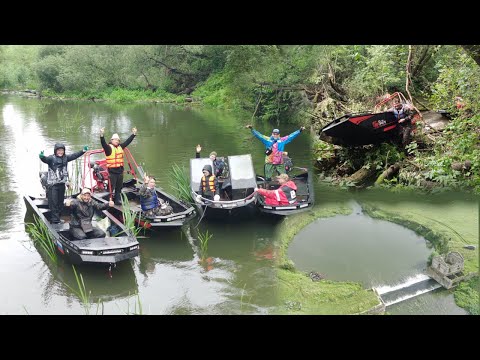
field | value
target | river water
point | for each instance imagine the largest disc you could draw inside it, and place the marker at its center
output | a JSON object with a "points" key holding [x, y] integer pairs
{"points": [[167, 276]]}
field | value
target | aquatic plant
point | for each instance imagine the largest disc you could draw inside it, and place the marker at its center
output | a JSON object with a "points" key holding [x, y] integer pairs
{"points": [[180, 183], [129, 217], [81, 292], [137, 310], [204, 238], [41, 236]]}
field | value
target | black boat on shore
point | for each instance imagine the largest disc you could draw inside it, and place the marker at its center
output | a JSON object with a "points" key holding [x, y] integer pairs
{"points": [[95, 175], [107, 250], [364, 128], [305, 194], [237, 184]]}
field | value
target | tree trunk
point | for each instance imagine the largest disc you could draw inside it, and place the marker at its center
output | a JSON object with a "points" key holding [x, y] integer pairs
{"points": [[391, 171], [361, 176]]}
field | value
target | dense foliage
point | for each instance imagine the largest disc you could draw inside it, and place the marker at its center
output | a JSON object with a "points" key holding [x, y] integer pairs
{"points": [[298, 83]]}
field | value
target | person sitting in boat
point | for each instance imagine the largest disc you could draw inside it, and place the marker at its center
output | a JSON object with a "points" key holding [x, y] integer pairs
{"points": [[275, 144], [151, 204], [57, 178], [404, 115], [83, 209], [218, 164], [114, 154], [284, 195], [209, 188]]}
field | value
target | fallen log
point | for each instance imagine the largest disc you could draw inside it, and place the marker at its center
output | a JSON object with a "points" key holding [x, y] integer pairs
{"points": [[361, 176], [390, 172]]}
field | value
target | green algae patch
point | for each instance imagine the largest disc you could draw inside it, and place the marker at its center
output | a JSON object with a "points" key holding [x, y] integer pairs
{"points": [[300, 295], [297, 293], [447, 225]]}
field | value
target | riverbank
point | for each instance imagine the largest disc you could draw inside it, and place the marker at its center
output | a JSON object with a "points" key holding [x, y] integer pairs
{"points": [[297, 292], [449, 224], [110, 95]]}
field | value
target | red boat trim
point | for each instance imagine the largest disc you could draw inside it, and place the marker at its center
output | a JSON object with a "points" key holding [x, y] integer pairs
{"points": [[358, 120], [390, 127]]}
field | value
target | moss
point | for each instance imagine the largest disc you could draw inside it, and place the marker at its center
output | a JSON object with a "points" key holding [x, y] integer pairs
{"points": [[297, 293]]}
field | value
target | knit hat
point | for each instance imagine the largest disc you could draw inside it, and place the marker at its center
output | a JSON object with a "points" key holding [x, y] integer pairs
{"points": [[86, 191], [214, 153]]}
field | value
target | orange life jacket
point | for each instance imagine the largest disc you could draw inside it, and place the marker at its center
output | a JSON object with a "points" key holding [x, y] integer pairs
{"points": [[115, 159], [211, 183]]}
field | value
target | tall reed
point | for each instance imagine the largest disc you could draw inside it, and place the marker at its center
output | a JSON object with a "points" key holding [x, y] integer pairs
{"points": [[204, 238], [42, 237], [129, 217], [82, 291], [180, 183]]}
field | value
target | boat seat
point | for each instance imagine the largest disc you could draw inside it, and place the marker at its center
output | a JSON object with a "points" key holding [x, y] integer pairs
{"points": [[61, 227], [43, 210], [40, 202]]}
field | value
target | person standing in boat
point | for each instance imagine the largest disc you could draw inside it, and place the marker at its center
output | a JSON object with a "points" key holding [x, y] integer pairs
{"points": [[83, 209], [114, 154], [218, 164], [57, 178], [404, 116], [209, 188], [151, 204], [275, 145], [286, 194]]}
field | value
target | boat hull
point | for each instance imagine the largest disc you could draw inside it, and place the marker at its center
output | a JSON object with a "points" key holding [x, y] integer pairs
{"points": [[305, 196], [108, 250], [361, 129]]}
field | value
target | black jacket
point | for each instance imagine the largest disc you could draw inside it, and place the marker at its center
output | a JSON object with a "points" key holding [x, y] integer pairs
{"points": [[57, 166], [82, 210]]}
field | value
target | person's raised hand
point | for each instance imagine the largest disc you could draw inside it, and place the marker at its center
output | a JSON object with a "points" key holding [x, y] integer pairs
{"points": [[198, 148], [134, 131], [111, 203], [249, 126], [102, 131]]}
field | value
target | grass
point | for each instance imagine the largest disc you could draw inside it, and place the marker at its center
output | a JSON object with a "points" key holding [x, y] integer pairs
{"points": [[42, 237], [180, 183], [467, 295]]}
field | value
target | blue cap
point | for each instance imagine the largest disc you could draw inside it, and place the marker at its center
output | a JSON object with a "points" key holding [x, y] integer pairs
{"points": [[276, 131]]}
